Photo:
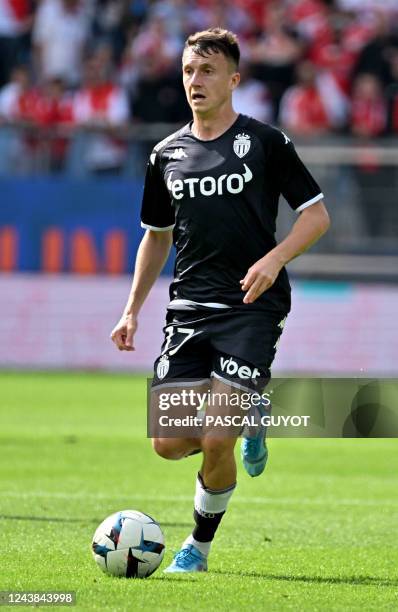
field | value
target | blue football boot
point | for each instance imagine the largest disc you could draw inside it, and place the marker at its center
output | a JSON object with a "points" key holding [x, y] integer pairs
{"points": [[253, 450], [188, 559]]}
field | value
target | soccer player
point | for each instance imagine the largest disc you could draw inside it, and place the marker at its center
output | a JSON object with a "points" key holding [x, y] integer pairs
{"points": [[212, 188]]}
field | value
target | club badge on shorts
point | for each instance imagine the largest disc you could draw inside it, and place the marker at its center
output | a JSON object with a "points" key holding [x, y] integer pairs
{"points": [[242, 144], [163, 367]]}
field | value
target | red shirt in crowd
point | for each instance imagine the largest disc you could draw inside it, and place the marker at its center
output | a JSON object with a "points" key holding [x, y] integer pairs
{"points": [[14, 16], [41, 109], [103, 104], [44, 110], [303, 111], [368, 117]]}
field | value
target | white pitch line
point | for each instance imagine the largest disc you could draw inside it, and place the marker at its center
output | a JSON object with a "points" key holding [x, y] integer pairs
{"points": [[188, 499]]}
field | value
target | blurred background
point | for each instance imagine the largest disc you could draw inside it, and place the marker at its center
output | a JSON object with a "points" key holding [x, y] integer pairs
{"points": [[87, 87]]}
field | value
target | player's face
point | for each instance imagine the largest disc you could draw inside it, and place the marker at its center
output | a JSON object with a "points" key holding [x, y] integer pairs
{"points": [[208, 81]]}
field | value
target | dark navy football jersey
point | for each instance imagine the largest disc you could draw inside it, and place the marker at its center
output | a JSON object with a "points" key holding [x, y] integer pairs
{"points": [[221, 197]]}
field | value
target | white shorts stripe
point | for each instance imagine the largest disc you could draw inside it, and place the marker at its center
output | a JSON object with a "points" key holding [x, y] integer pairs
{"points": [[232, 383], [186, 383], [180, 304]]}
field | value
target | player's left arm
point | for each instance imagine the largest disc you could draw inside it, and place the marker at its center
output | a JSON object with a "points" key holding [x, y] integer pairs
{"points": [[299, 188], [312, 223]]}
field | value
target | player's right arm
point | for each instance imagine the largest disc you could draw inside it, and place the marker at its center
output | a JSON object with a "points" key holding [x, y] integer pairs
{"points": [[152, 254], [157, 217]]}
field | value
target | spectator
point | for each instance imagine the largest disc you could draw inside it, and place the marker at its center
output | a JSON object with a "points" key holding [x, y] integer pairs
{"points": [[388, 7], [275, 52], [252, 96], [10, 94], [11, 140], [177, 16], [108, 22], [53, 114], [159, 95], [338, 53], [15, 23], [256, 8], [375, 56], [41, 112], [392, 94], [154, 37], [230, 16], [20, 98], [369, 109], [303, 110], [368, 120], [339, 37], [310, 20], [150, 50], [138, 10], [101, 109], [60, 36], [18, 101]]}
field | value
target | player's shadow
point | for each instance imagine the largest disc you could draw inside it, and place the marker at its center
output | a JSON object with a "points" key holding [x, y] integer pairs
{"points": [[352, 580], [60, 519], [174, 578]]}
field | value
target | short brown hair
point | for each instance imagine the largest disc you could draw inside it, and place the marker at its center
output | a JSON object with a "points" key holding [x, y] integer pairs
{"points": [[215, 40]]}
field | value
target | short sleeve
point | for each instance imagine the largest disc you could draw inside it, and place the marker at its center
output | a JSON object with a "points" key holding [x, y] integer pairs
{"points": [[157, 212], [295, 182]]}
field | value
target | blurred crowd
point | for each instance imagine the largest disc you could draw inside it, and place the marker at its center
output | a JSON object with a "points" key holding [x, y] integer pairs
{"points": [[311, 66]]}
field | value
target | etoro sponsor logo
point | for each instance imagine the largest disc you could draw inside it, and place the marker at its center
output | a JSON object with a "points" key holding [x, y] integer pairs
{"points": [[229, 366], [209, 185]]}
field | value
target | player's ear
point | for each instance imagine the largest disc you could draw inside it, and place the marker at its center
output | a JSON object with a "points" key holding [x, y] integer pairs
{"points": [[235, 80]]}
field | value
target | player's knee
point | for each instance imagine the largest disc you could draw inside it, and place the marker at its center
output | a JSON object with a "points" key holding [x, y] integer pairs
{"points": [[217, 447], [166, 448]]}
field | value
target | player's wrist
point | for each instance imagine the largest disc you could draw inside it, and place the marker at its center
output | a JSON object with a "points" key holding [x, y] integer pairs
{"points": [[277, 257], [130, 311]]}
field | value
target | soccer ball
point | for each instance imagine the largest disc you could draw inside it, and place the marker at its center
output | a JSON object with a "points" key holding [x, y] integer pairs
{"points": [[128, 543]]}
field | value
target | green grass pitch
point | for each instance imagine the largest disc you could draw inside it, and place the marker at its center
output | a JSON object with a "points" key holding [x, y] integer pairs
{"points": [[317, 531]]}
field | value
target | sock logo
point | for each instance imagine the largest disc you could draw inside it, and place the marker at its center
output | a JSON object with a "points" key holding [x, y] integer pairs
{"points": [[229, 366], [209, 515]]}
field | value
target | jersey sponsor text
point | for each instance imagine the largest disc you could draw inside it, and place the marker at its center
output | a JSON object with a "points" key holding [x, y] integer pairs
{"points": [[209, 185]]}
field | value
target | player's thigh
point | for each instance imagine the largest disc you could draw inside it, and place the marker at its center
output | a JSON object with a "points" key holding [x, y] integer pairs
{"points": [[181, 378], [176, 410], [185, 354], [244, 347], [223, 419]]}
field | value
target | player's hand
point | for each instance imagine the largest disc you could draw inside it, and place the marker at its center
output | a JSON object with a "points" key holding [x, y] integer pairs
{"points": [[123, 333], [260, 277]]}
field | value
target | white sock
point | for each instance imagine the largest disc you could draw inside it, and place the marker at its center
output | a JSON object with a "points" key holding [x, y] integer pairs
{"points": [[208, 501], [207, 504], [203, 547]]}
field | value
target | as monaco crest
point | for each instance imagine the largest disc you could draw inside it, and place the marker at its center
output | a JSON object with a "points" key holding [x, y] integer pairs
{"points": [[163, 367], [242, 144]]}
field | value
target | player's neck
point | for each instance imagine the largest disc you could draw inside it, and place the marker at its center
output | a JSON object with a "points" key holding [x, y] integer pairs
{"points": [[209, 128]]}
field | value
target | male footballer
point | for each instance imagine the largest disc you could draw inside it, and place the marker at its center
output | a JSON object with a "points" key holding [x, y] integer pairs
{"points": [[212, 189]]}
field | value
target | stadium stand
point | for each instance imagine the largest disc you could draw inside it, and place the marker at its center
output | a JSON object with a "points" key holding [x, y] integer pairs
{"points": [[88, 86]]}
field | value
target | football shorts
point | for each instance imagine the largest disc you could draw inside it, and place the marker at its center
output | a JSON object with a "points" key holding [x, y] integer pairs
{"points": [[233, 346]]}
